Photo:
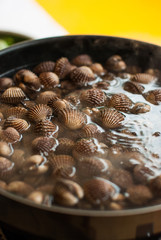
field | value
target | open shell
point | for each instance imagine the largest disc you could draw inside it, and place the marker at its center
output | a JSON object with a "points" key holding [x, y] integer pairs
{"points": [[82, 76], [13, 95], [39, 112], [93, 97], [120, 102], [111, 118]]}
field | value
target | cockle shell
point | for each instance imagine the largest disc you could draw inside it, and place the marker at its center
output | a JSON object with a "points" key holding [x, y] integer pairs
{"points": [[115, 63], [46, 128], [82, 76], [90, 130], [58, 105], [93, 97], [120, 102], [98, 190], [18, 112], [82, 60], [133, 69], [97, 68], [153, 96], [122, 178], [49, 80], [32, 163], [133, 87], [19, 124], [65, 146], [6, 168], [5, 83], [19, 188], [111, 118], [142, 173], [62, 67], [140, 108], [72, 118], [13, 95], [44, 97], [46, 66], [144, 78], [5, 149], [67, 192], [39, 112], [28, 78], [44, 144], [10, 135], [154, 71]]}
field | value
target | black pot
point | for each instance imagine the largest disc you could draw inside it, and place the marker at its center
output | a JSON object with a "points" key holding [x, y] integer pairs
{"points": [[65, 223]]}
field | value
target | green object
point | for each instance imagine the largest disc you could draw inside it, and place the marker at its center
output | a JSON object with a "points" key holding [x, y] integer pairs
{"points": [[3, 44]]}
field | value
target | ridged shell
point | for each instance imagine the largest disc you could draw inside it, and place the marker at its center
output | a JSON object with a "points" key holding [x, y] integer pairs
{"points": [[5, 83], [49, 80], [46, 128], [72, 118], [46, 66], [93, 97], [140, 108], [30, 92], [6, 168], [44, 144], [19, 124], [44, 97], [39, 112], [111, 118], [133, 69], [115, 63], [102, 85], [63, 166], [153, 71], [122, 178], [62, 67], [90, 131], [10, 135], [27, 77], [18, 112], [58, 105], [82, 60], [65, 146], [144, 78], [67, 192], [98, 191], [82, 76], [133, 87], [97, 68], [13, 95], [120, 102], [153, 96]]}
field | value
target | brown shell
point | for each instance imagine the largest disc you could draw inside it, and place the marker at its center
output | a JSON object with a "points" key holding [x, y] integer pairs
{"points": [[82, 60], [18, 112], [44, 97], [120, 102], [90, 130], [98, 191], [32, 163], [49, 80], [122, 178], [142, 173], [46, 128], [102, 85], [19, 188], [19, 124], [10, 135], [46, 66], [6, 168], [153, 96], [82, 76], [133, 69], [28, 78], [44, 144], [5, 83], [144, 78], [65, 146], [39, 112], [5, 149], [58, 105], [72, 118], [62, 67], [140, 108], [133, 87], [93, 97], [111, 118], [154, 71], [115, 63], [13, 95], [67, 192], [97, 68]]}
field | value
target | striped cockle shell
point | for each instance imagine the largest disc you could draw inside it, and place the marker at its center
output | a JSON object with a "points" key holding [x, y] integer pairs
{"points": [[67, 192], [120, 102], [90, 130], [28, 78], [72, 118], [44, 97], [62, 67], [6, 168], [18, 112], [140, 107], [10, 135], [58, 105], [115, 63], [46, 128], [46, 66], [122, 178], [82, 76], [153, 96], [111, 118], [144, 78], [44, 144], [98, 191], [82, 60], [13, 95], [97, 68], [5, 83], [133, 87], [39, 112], [93, 97], [19, 124], [65, 146], [49, 80]]}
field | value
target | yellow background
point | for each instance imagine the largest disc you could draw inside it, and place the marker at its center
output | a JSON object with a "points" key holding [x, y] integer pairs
{"points": [[138, 19]]}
